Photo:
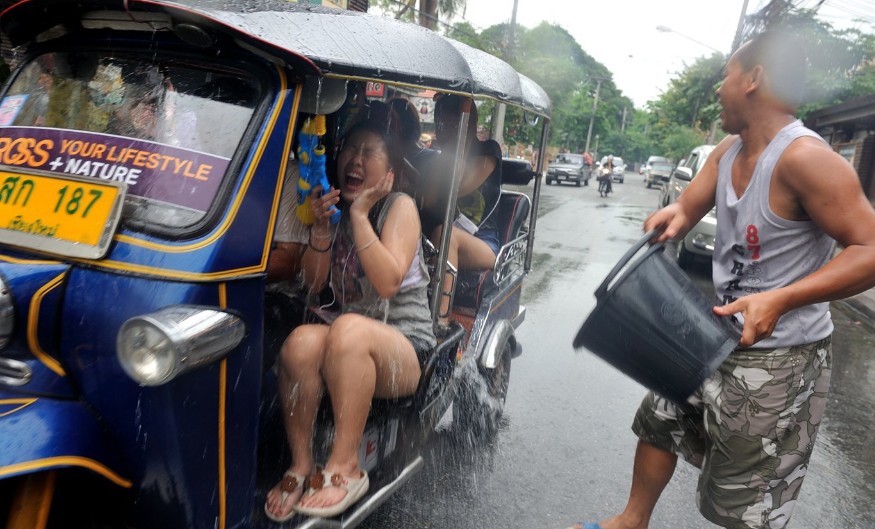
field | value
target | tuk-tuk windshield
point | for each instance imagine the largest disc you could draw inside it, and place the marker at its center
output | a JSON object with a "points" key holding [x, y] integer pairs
{"points": [[166, 129]]}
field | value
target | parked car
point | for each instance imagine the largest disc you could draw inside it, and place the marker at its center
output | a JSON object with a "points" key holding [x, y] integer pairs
{"points": [[657, 173], [699, 242], [651, 160], [569, 167]]}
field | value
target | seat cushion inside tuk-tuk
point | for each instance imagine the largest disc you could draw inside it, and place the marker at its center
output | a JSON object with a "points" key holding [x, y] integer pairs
{"points": [[473, 286]]}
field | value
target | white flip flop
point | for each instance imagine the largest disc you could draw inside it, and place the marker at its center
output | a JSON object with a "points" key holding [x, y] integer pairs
{"points": [[289, 484], [355, 488]]}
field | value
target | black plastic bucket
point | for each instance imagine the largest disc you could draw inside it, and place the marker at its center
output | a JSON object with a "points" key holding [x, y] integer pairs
{"points": [[656, 326]]}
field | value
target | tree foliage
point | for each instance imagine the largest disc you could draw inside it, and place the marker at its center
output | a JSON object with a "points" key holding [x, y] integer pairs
{"points": [[841, 61], [685, 115], [570, 76], [426, 13], [842, 66]]}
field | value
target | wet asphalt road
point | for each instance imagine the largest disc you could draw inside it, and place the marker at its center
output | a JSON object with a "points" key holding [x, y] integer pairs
{"points": [[565, 450]]}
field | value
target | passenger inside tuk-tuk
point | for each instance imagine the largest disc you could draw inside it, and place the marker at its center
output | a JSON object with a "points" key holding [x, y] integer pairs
{"points": [[474, 243], [410, 131], [372, 260]]}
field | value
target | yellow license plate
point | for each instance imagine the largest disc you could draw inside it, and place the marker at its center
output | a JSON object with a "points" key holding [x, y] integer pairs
{"points": [[61, 214]]}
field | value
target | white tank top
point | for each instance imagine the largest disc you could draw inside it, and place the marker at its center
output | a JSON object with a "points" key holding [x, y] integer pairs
{"points": [[756, 250]]}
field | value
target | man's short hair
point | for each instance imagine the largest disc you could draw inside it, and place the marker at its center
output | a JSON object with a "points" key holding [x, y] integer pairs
{"points": [[783, 58]]}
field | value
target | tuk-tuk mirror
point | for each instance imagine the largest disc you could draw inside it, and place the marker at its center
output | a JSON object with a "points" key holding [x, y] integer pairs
{"points": [[322, 95], [531, 119]]}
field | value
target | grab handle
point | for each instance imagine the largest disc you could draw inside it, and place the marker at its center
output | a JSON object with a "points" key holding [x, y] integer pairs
{"points": [[603, 288]]}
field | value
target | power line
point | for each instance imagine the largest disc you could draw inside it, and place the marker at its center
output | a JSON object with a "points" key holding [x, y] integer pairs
{"points": [[848, 7]]}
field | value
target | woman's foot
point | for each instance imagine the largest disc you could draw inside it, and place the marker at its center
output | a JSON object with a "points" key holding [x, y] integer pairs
{"points": [[284, 496], [330, 493]]}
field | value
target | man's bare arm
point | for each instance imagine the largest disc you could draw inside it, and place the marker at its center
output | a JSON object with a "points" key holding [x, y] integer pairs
{"points": [[675, 220]]}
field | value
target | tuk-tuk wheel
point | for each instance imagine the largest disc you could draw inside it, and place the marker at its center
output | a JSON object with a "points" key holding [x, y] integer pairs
{"points": [[480, 403]]}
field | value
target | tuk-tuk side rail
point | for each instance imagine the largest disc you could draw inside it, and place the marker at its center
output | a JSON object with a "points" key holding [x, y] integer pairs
{"points": [[536, 195], [511, 258], [449, 213], [501, 304]]}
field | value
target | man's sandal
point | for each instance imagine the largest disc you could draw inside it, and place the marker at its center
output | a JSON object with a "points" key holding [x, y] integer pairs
{"points": [[355, 488], [290, 483], [585, 526]]}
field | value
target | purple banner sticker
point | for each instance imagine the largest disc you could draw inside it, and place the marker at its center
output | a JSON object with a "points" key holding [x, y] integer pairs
{"points": [[151, 170]]}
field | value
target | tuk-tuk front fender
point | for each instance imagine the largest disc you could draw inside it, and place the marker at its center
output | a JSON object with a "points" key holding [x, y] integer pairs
{"points": [[38, 434]]}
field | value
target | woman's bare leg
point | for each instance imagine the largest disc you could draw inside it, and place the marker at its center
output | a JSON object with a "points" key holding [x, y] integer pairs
{"points": [[300, 392], [364, 359]]}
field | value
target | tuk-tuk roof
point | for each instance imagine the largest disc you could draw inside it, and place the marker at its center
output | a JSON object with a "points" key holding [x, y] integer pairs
{"points": [[340, 43]]}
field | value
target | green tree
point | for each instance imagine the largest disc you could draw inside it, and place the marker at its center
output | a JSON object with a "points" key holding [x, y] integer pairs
{"points": [[842, 67], [841, 61], [427, 14], [552, 58], [691, 97]]}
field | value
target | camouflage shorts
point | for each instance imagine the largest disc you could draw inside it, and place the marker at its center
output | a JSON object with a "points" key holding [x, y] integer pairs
{"points": [[750, 428]]}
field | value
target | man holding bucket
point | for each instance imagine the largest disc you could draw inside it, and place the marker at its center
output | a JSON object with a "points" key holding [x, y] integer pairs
{"points": [[783, 196]]}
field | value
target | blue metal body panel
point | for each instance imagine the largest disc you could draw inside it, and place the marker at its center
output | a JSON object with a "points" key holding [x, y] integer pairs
{"points": [[38, 433], [37, 288], [176, 437]]}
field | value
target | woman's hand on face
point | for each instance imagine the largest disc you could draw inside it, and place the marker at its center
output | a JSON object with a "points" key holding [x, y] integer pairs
{"points": [[321, 203], [370, 196]]}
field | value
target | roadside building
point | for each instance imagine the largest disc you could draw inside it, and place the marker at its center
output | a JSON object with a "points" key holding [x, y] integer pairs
{"points": [[849, 128]]}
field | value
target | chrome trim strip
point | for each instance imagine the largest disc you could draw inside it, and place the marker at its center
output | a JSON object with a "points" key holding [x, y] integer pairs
{"points": [[14, 372], [7, 315]]}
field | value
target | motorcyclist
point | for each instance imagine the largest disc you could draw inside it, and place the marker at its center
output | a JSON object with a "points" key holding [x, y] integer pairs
{"points": [[605, 176]]}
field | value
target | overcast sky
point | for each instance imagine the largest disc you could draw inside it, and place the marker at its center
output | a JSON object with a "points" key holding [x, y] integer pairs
{"points": [[622, 34]]}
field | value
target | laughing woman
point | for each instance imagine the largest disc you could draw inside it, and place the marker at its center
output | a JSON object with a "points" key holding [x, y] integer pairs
{"points": [[375, 348]]}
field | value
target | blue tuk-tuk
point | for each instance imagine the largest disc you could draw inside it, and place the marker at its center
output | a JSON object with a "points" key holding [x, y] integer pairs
{"points": [[144, 146]]}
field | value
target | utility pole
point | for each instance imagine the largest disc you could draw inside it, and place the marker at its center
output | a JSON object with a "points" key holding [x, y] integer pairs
{"points": [[623, 124], [736, 42], [498, 129], [595, 104]]}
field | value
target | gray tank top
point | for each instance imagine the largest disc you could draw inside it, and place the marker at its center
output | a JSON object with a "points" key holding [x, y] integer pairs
{"points": [[756, 250], [407, 310]]}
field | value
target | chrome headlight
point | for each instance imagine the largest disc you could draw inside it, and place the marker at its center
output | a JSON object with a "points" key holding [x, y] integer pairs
{"points": [[7, 314], [155, 348]]}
